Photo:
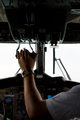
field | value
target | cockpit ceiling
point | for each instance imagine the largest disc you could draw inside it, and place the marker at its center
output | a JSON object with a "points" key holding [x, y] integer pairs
{"points": [[2, 13], [2, 16], [37, 32], [77, 20]]}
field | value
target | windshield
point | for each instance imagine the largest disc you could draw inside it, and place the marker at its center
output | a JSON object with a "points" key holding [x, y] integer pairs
{"points": [[8, 62], [68, 54]]}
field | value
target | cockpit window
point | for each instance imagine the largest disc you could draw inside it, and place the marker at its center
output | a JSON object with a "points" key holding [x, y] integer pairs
{"points": [[8, 62], [69, 55]]}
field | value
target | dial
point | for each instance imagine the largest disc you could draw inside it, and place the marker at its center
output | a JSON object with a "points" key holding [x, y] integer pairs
{"points": [[8, 100], [9, 110]]}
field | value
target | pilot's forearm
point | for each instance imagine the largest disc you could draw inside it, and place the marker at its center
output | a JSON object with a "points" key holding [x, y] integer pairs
{"points": [[35, 106], [31, 95]]}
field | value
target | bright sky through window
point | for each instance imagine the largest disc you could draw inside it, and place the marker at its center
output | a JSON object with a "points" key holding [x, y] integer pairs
{"points": [[8, 62], [68, 53], [70, 57]]}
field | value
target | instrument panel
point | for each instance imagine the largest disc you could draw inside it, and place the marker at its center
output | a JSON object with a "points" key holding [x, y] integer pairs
{"points": [[12, 104], [13, 99]]}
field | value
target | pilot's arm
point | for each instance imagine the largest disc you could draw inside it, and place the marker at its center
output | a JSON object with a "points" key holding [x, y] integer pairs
{"points": [[35, 106], [64, 106]]}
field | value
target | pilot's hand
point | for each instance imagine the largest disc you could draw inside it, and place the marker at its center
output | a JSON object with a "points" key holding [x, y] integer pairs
{"points": [[25, 60]]}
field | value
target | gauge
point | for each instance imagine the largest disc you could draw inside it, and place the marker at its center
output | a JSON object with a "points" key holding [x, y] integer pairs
{"points": [[9, 110], [8, 100]]}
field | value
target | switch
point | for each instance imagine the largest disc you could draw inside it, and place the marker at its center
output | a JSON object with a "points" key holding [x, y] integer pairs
{"points": [[6, 92], [18, 96], [59, 1]]}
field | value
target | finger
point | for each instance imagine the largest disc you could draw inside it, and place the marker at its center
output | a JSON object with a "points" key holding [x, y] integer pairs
{"points": [[18, 55], [22, 53], [26, 52]]}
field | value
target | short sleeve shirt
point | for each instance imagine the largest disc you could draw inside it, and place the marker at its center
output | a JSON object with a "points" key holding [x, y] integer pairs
{"points": [[65, 105]]}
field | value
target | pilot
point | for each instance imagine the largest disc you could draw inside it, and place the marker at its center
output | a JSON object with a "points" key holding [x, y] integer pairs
{"points": [[64, 106]]}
